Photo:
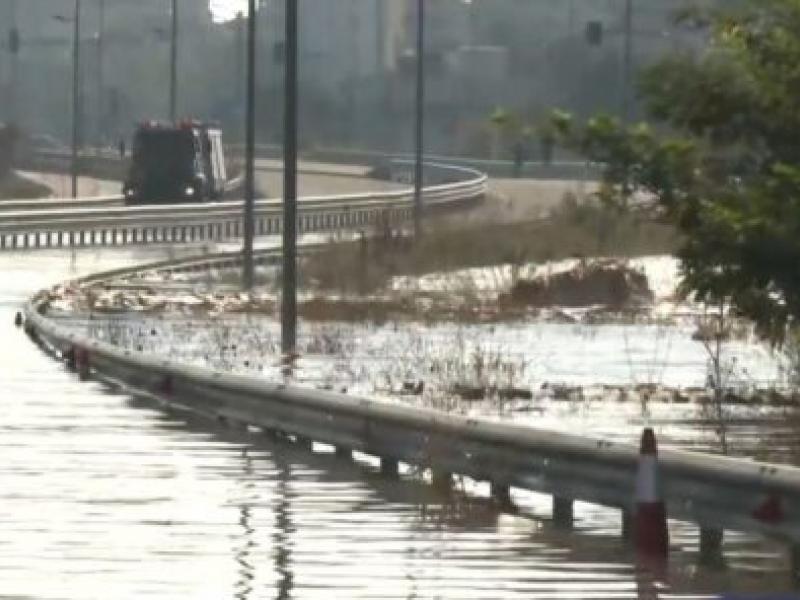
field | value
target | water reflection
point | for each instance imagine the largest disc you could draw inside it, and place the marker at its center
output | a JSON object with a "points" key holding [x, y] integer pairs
{"points": [[109, 494], [282, 541], [244, 551]]}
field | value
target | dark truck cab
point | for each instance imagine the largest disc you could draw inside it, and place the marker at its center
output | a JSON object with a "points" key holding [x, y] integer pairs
{"points": [[175, 163]]}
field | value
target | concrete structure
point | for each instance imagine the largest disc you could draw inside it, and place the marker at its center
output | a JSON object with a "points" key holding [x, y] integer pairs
{"points": [[342, 44]]}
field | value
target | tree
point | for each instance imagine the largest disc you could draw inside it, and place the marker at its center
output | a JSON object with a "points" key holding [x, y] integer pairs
{"points": [[721, 157], [504, 126]]}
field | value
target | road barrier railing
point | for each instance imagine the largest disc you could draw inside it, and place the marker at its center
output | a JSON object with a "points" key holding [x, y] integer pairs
{"points": [[221, 221], [715, 492]]}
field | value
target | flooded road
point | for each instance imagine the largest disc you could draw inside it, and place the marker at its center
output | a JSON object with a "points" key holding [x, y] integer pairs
{"points": [[106, 495]]}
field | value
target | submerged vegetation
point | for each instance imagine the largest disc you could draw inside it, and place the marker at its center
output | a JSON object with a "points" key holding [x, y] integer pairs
{"points": [[571, 230]]}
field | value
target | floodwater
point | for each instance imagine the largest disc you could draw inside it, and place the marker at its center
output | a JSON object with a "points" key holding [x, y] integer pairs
{"points": [[106, 495]]}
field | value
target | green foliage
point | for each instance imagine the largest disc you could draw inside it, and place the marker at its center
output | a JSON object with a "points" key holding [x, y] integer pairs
{"points": [[722, 159]]}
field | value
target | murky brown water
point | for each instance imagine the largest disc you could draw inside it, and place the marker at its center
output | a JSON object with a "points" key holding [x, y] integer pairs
{"points": [[103, 495]]}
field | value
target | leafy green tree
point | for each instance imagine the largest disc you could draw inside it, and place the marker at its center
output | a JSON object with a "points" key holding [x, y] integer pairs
{"points": [[721, 157]]}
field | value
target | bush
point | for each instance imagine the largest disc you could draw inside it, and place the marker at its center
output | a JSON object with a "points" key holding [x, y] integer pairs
{"points": [[572, 230]]}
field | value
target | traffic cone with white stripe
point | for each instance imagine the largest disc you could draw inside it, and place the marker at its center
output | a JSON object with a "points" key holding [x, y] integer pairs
{"points": [[651, 537]]}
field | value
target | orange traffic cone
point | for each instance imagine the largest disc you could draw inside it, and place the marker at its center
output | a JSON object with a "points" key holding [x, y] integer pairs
{"points": [[651, 537]]}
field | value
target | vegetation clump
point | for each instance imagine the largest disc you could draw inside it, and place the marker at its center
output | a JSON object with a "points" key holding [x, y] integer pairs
{"points": [[720, 157], [610, 283]]}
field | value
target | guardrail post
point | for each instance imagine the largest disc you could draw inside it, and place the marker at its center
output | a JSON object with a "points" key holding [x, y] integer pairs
{"points": [[304, 442], [389, 467], [442, 480], [563, 513], [627, 524], [711, 546], [502, 495]]}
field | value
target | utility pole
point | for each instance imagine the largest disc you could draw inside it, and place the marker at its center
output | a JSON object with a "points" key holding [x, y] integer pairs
{"points": [[173, 65], [289, 303], [627, 62], [76, 96], [240, 84], [101, 105], [250, 135], [420, 120], [13, 49]]}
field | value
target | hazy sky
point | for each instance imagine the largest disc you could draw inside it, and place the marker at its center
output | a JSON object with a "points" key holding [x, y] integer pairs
{"points": [[227, 9]]}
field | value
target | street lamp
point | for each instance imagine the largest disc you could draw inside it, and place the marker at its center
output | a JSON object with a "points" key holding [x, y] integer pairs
{"points": [[249, 132], [101, 21], [627, 66], [420, 120], [13, 50], [173, 64], [76, 93], [594, 36], [289, 302]]}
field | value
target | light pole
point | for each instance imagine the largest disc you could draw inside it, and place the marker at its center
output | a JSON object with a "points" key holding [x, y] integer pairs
{"points": [[101, 21], [627, 62], [173, 64], [240, 77], [289, 303], [76, 96], [13, 49], [249, 175], [419, 120], [76, 91]]}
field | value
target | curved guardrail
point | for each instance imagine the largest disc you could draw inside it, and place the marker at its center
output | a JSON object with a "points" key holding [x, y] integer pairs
{"points": [[716, 492], [109, 226]]}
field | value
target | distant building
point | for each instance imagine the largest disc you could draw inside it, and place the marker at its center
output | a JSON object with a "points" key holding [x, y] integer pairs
{"points": [[342, 42]]}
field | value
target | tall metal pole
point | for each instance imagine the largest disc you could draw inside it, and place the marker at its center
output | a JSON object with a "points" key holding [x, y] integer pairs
{"points": [[240, 75], [627, 66], [289, 303], [420, 119], [250, 140], [173, 64], [101, 105], [76, 96], [13, 38]]}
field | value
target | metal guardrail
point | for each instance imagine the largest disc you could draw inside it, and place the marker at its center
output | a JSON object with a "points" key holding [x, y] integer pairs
{"points": [[220, 221], [533, 169], [59, 204], [715, 492]]}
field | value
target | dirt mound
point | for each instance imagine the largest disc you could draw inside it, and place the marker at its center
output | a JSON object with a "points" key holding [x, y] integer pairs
{"points": [[610, 283]]}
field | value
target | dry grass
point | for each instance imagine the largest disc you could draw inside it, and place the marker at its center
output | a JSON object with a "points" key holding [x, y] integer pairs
{"points": [[571, 230], [16, 187]]}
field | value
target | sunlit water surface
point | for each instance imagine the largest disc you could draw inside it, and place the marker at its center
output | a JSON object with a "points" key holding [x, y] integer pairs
{"points": [[103, 495]]}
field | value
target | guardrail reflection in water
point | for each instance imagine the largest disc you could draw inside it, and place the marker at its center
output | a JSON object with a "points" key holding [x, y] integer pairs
{"points": [[715, 492], [221, 221]]}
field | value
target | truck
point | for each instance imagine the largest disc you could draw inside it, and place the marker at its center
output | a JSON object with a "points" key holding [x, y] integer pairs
{"points": [[171, 163]]}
